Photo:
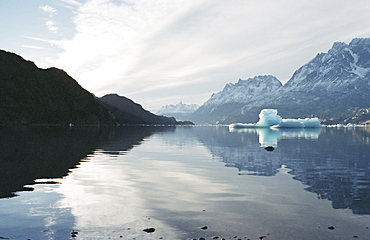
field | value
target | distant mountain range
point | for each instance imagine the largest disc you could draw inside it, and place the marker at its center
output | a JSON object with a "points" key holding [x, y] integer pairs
{"points": [[180, 111], [335, 86], [30, 95]]}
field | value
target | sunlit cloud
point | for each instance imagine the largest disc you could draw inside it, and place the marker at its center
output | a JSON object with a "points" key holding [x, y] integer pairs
{"points": [[138, 48], [47, 41], [48, 9], [71, 2], [114, 36], [94, 199], [50, 25], [36, 38], [31, 46]]}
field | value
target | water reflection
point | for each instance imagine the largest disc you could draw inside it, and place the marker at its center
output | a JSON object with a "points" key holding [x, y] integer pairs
{"points": [[336, 167], [333, 163], [126, 192], [33, 158], [125, 138], [116, 183], [30, 153], [271, 136]]}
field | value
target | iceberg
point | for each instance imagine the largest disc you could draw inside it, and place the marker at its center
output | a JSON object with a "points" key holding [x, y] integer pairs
{"points": [[270, 118], [289, 123]]}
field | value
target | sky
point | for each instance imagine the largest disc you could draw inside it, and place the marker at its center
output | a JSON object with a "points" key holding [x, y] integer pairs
{"points": [[160, 52]]}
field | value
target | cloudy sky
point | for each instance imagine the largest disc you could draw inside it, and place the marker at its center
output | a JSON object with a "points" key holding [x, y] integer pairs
{"points": [[160, 52]]}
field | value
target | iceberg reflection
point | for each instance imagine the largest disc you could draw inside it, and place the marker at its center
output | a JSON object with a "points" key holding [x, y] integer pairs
{"points": [[270, 136]]}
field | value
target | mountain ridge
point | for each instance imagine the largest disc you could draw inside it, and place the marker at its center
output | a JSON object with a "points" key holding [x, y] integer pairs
{"points": [[31, 95], [180, 111], [334, 86], [127, 111]]}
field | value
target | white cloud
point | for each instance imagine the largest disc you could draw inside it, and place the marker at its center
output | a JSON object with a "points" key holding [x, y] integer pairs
{"points": [[71, 2], [50, 25], [114, 36], [142, 48], [38, 39], [31, 46], [48, 9]]}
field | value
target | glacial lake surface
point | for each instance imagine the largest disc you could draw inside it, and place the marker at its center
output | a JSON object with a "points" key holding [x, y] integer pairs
{"points": [[184, 183]]}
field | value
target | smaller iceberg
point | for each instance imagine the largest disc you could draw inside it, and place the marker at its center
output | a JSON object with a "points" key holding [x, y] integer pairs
{"points": [[270, 118]]}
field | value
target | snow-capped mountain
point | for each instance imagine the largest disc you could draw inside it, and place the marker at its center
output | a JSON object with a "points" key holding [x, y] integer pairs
{"points": [[178, 108], [248, 90], [180, 111], [334, 86], [343, 65]]}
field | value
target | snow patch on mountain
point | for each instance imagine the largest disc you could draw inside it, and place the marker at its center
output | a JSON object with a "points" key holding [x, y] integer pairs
{"points": [[243, 91], [342, 65]]}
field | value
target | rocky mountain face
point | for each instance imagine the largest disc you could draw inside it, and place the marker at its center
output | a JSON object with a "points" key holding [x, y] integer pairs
{"points": [[128, 112], [229, 103], [180, 111], [335, 86], [44, 96]]}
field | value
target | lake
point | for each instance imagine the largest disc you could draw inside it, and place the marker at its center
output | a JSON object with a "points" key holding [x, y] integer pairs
{"points": [[184, 183]]}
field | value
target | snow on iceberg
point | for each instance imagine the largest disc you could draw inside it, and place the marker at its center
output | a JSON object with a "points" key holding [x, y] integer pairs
{"points": [[270, 118]]}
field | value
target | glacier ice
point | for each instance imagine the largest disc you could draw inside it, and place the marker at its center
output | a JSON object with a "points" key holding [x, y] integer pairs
{"points": [[293, 123], [270, 118]]}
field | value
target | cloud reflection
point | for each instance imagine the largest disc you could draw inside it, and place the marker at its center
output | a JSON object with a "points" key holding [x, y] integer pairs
{"points": [[120, 192]]}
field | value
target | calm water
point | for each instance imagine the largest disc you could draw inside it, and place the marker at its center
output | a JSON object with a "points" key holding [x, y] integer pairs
{"points": [[90, 183]]}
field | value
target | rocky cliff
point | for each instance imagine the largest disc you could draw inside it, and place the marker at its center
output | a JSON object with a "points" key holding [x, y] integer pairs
{"points": [[228, 104]]}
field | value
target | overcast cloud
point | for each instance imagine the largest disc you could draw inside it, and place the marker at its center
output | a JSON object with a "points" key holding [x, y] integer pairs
{"points": [[160, 52]]}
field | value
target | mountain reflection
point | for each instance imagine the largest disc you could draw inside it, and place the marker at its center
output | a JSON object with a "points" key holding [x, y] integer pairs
{"points": [[333, 163], [125, 138], [31, 153]]}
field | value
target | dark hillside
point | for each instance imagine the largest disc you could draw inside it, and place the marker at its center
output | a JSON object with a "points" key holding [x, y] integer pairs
{"points": [[128, 112], [44, 96]]}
